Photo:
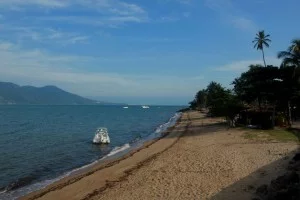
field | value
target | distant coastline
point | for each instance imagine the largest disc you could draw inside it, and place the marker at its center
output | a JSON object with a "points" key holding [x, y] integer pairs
{"points": [[13, 94]]}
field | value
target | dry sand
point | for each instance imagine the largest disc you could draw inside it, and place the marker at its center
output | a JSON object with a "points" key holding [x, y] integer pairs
{"points": [[198, 159]]}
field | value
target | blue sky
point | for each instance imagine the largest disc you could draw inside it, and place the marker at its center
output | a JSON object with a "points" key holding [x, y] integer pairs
{"points": [[138, 52]]}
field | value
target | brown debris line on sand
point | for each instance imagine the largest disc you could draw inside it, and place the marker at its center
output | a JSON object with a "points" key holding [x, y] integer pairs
{"points": [[208, 161]]}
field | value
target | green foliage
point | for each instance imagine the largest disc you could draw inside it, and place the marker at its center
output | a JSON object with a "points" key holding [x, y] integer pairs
{"points": [[257, 85], [268, 87], [233, 106], [201, 98], [274, 91], [282, 135], [193, 104], [260, 41], [217, 98], [291, 57]]}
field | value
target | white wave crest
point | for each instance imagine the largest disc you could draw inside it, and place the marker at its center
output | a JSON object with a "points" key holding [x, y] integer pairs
{"points": [[118, 150], [172, 121]]}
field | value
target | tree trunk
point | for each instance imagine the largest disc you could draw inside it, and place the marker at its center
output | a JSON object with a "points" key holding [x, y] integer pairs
{"points": [[289, 113], [259, 104], [273, 116], [263, 53]]}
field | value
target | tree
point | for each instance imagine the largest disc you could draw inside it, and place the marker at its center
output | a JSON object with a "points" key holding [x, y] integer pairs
{"points": [[193, 104], [232, 107], [200, 98], [289, 90], [217, 96], [259, 85], [291, 57], [256, 86], [260, 41]]}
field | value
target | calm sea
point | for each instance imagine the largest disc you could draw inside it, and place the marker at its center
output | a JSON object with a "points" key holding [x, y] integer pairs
{"points": [[39, 144]]}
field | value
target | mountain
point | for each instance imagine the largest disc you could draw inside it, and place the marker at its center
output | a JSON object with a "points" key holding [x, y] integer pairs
{"points": [[11, 93]]}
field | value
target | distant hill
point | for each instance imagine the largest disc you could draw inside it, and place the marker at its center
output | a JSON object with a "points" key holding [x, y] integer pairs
{"points": [[11, 93]]}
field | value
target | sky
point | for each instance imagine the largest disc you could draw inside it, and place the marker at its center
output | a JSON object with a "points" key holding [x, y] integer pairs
{"points": [[139, 51]]}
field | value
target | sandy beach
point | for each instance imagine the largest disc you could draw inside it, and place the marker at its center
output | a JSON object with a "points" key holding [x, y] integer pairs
{"points": [[199, 158]]}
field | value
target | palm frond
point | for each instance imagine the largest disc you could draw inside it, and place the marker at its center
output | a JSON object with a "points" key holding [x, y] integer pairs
{"points": [[261, 40], [284, 54], [266, 44], [289, 62], [296, 41]]}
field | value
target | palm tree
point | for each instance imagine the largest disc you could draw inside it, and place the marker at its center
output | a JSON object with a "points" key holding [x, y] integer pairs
{"points": [[260, 41], [291, 57]]}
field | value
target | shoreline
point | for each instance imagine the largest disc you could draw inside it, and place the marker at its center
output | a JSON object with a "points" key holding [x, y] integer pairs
{"points": [[80, 173], [198, 158]]}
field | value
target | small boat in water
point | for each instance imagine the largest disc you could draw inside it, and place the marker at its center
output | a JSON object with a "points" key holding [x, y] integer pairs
{"points": [[125, 107], [145, 107], [101, 136]]}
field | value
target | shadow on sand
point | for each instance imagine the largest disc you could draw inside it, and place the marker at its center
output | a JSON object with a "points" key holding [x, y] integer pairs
{"points": [[245, 188]]}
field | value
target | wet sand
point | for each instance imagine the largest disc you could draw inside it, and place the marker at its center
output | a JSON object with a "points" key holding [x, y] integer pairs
{"points": [[198, 159]]}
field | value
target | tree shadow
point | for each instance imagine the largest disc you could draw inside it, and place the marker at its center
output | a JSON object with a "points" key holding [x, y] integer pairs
{"points": [[295, 131], [196, 130], [246, 187]]}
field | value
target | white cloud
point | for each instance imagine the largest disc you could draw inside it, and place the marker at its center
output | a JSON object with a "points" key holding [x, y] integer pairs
{"points": [[35, 67], [197, 78], [112, 21], [42, 68], [6, 46], [44, 3], [77, 39], [244, 24], [228, 12], [219, 5], [186, 14], [241, 66], [112, 6], [168, 19], [105, 11], [44, 35], [184, 2], [187, 2]]}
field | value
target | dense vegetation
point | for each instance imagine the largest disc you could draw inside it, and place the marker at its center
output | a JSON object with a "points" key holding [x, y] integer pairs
{"points": [[264, 95]]}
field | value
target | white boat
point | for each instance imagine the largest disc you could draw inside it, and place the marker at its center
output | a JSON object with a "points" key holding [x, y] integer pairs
{"points": [[125, 107], [101, 136], [145, 107]]}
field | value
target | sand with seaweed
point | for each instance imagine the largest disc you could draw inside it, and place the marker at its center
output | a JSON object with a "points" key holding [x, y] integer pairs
{"points": [[199, 159]]}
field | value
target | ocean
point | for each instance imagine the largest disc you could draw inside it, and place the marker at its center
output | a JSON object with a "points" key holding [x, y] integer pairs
{"points": [[41, 144]]}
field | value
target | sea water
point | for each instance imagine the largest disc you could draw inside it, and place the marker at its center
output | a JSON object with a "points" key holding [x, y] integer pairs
{"points": [[41, 144]]}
